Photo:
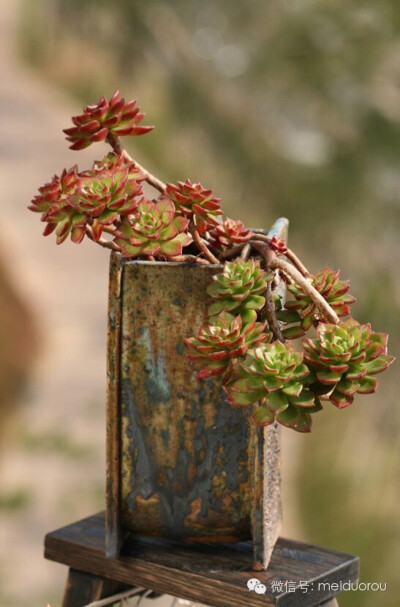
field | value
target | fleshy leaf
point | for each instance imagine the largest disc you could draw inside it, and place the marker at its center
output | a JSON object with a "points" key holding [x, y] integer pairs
{"points": [[112, 117], [262, 416], [277, 401], [368, 385]]}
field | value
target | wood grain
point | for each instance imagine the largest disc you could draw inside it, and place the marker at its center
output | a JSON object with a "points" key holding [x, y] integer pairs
{"points": [[215, 574]]}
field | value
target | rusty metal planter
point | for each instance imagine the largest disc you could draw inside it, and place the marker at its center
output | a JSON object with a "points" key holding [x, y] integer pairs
{"points": [[181, 462]]}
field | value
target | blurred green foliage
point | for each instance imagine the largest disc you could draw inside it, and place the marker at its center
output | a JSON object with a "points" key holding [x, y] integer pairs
{"points": [[50, 442], [17, 500], [283, 108]]}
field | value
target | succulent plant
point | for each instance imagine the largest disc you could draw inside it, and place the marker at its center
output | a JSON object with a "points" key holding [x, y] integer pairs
{"points": [[275, 376], [218, 345], [195, 202], [114, 162], [345, 358], [152, 229], [114, 116], [54, 191], [97, 197], [302, 310], [278, 245], [229, 233], [238, 289], [260, 372]]}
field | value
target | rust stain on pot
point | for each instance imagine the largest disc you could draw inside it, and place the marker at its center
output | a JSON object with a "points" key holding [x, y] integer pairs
{"points": [[186, 459]]}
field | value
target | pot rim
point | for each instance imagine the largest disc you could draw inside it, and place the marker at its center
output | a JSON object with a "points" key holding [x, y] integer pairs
{"points": [[279, 228]]}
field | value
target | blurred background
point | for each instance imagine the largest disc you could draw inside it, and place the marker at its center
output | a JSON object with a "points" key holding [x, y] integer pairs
{"points": [[283, 109]]}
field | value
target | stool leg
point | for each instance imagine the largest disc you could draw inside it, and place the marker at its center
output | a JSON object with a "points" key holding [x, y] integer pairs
{"points": [[83, 588]]}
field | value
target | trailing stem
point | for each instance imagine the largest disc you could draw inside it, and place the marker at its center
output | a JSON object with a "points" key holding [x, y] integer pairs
{"points": [[233, 251], [245, 252], [276, 263], [107, 244], [297, 263], [156, 183], [200, 244], [189, 259], [289, 254], [115, 143], [324, 308], [270, 314]]}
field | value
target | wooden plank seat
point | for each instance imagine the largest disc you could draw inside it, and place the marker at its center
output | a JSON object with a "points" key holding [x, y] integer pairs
{"points": [[299, 574]]}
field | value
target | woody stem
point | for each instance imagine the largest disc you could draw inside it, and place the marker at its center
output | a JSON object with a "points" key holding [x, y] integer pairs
{"points": [[289, 254], [270, 314], [245, 252], [201, 245], [107, 244], [189, 259], [233, 251], [115, 143], [276, 263]]}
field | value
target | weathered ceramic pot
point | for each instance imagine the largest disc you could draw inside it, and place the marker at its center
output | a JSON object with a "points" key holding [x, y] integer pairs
{"points": [[181, 462]]}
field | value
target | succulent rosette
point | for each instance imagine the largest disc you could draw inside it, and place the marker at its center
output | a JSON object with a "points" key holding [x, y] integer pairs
{"points": [[229, 233], [302, 310], [153, 229], [267, 378], [114, 116], [114, 162], [52, 202], [275, 376], [57, 189], [195, 202], [345, 359], [105, 196], [97, 197], [278, 245], [218, 345], [238, 289]]}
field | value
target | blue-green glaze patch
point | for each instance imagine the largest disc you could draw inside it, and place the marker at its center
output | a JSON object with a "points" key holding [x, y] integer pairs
{"points": [[180, 348]]}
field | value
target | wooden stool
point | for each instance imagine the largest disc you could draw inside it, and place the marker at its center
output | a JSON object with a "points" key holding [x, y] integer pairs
{"points": [[299, 575]]}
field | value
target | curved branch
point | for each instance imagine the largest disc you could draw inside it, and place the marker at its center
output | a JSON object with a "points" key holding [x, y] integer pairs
{"points": [[189, 259], [111, 229], [296, 262], [270, 314], [107, 244], [233, 251], [276, 263], [245, 252], [289, 254], [115, 143], [200, 244]]}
